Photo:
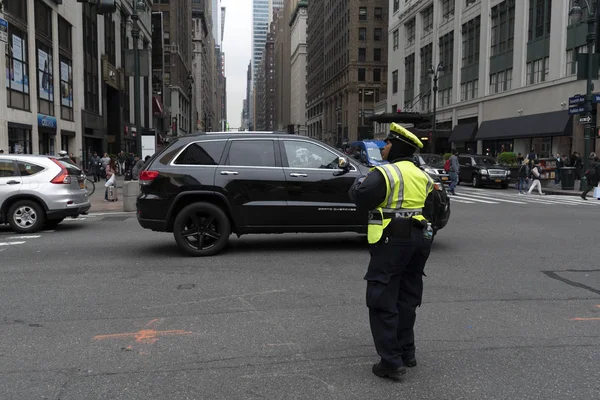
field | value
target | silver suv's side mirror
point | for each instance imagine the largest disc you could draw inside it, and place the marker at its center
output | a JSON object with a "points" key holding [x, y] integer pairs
{"points": [[343, 163]]}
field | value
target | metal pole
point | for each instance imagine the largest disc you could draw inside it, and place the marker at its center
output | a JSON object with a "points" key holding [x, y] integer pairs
{"points": [[362, 108], [135, 34], [433, 126], [591, 40]]}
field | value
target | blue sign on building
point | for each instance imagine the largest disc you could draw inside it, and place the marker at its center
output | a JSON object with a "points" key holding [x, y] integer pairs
{"points": [[577, 99], [576, 110], [46, 121]]}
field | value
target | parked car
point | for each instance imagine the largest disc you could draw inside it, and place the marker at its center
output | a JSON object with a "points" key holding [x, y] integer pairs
{"points": [[368, 152], [39, 192], [433, 164], [482, 170], [204, 187]]}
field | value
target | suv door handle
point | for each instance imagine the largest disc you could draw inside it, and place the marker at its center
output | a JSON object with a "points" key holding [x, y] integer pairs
{"points": [[229, 172], [297, 175], [13, 182]]}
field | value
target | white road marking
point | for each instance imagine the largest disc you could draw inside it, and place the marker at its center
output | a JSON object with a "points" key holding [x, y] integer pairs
{"points": [[471, 198], [485, 195], [453, 199], [110, 213], [10, 243], [23, 237], [478, 197]]}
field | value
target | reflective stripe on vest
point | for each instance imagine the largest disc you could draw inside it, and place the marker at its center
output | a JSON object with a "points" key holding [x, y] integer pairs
{"points": [[391, 207]]}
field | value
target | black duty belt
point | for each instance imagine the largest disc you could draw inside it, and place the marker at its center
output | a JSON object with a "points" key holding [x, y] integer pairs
{"points": [[401, 214]]}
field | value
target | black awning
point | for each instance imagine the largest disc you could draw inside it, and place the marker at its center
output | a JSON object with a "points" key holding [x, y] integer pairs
{"points": [[401, 118], [463, 133], [557, 123]]}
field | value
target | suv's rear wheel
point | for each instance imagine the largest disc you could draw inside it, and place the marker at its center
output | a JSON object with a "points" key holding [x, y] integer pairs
{"points": [[201, 229], [26, 216]]}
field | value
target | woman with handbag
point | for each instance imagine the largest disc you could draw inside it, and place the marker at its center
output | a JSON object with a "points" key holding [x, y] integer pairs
{"points": [[110, 181], [592, 175]]}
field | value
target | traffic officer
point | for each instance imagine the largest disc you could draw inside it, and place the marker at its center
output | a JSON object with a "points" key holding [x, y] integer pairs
{"points": [[400, 241]]}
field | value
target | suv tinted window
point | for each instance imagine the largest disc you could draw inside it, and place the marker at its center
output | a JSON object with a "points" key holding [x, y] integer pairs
{"points": [[464, 160], [7, 168], [302, 154], [72, 169], [202, 153], [252, 153], [27, 169]]}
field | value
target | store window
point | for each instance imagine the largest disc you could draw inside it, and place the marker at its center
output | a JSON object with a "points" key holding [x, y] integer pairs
{"points": [[45, 76], [66, 69], [47, 143], [17, 69], [19, 140]]}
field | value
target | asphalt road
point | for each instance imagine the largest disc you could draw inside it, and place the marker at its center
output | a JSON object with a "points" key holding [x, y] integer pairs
{"points": [[101, 309]]}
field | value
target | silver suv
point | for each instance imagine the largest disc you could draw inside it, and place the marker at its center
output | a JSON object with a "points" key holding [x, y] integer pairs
{"points": [[38, 192]]}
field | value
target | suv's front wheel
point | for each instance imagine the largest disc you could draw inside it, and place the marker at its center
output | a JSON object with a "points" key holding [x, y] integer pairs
{"points": [[26, 216], [201, 229]]}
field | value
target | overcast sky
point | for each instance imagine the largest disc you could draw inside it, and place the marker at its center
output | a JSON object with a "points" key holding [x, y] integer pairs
{"points": [[237, 45]]}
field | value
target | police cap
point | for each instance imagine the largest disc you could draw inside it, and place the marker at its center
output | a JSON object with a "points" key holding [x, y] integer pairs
{"points": [[397, 132]]}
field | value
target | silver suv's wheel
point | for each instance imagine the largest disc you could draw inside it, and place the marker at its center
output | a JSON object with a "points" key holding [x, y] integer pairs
{"points": [[26, 216]]}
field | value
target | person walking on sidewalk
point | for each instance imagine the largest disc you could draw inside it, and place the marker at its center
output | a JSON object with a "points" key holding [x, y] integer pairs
{"points": [[454, 170], [559, 165], [110, 171], [592, 175], [536, 174], [523, 177]]}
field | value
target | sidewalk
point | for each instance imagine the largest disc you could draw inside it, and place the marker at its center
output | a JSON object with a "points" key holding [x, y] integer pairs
{"points": [[97, 199], [557, 190]]}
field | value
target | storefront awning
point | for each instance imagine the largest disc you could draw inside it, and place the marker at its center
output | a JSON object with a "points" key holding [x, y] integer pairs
{"points": [[557, 123], [463, 133]]}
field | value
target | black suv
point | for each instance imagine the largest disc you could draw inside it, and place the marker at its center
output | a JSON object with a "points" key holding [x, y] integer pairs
{"points": [[482, 170], [205, 186]]}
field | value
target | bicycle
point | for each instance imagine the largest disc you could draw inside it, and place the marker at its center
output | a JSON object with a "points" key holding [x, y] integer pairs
{"points": [[90, 186]]}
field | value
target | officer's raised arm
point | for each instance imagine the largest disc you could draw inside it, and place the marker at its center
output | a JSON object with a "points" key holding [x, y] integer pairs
{"points": [[368, 192]]}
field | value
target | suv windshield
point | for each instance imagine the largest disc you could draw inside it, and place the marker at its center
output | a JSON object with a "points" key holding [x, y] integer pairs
{"points": [[431, 159], [374, 153], [485, 161]]}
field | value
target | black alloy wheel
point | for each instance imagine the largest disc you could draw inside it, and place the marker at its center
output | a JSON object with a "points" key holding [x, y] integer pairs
{"points": [[476, 181], [201, 229]]}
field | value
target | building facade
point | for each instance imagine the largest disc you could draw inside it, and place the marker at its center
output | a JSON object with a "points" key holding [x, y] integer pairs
{"points": [[54, 100], [508, 70], [261, 17], [177, 20], [283, 67], [265, 86], [298, 29], [203, 70], [315, 55]]}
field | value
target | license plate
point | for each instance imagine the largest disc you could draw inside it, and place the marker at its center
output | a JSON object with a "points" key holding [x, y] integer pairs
{"points": [[444, 178], [498, 180], [81, 185]]}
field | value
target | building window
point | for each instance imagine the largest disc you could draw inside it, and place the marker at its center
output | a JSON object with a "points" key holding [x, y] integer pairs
{"points": [[470, 42], [469, 90], [445, 97], [378, 14], [503, 28], [540, 16], [66, 88], [17, 10], [90, 53], [362, 54], [447, 8], [395, 81], [469, 2], [19, 140], [409, 78], [410, 30], [17, 69], [110, 42], [446, 45], [362, 34], [377, 75], [396, 5], [377, 34], [396, 39], [376, 55], [537, 70], [572, 59], [45, 73], [501, 81], [427, 16], [361, 75], [426, 56], [362, 13], [125, 92]]}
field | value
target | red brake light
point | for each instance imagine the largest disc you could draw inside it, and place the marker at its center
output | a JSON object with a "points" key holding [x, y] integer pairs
{"points": [[63, 177], [148, 175]]}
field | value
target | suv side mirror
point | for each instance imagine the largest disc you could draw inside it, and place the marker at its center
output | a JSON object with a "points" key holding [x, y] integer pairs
{"points": [[343, 163]]}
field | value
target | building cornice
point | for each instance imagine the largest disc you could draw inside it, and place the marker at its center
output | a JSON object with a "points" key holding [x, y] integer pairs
{"points": [[301, 4]]}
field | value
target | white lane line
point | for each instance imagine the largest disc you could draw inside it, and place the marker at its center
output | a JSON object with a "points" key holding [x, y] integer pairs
{"points": [[523, 199], [485, 199], [455, 200], [469, 198], [23, 237], [10, 243], [110, 213]]}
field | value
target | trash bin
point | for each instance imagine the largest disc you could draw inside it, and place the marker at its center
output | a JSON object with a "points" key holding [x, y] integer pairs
{"points": [[567, 178]]}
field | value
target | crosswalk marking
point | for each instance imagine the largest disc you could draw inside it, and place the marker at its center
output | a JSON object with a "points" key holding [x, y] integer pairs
{"points": [[23, 237], [10, 243], [493, 200]]}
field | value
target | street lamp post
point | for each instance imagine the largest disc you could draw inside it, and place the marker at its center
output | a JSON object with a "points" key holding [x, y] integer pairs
{"points": [[191, 88], [435, 74], [576, 13], [135, 34]]}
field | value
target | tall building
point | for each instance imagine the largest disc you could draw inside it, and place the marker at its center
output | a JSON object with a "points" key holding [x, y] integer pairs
{"points": [[315, 56], [261, 16], [265, 86], [509, 69], [282, 67], [203, 69], [177, 20], [247, 111], [215, 17], [298, 28], [52, 99]]}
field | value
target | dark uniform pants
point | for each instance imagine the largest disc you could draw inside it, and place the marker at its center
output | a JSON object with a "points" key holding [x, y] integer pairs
{"points": [[394, 291]]}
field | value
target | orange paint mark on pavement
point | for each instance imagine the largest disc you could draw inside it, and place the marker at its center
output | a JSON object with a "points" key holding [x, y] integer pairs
{"points": [[585, 319], [144, 335]]}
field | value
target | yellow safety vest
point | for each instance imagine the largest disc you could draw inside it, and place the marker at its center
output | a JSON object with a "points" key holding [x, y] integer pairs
{"points": [[407, 188]]}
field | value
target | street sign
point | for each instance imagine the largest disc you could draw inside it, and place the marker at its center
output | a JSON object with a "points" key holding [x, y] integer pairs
{"points": [[3, 30], [576, 110], [577, 99], [585, 120]]}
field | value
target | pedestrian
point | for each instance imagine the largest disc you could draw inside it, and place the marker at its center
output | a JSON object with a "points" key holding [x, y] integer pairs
{"points": [[454, 171], [524, 174], [559, 165], [400, 242], [536, 174], [592, 175], [105, 160], [137, 168], [95, 166], [121, 159], [110, 171]]}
